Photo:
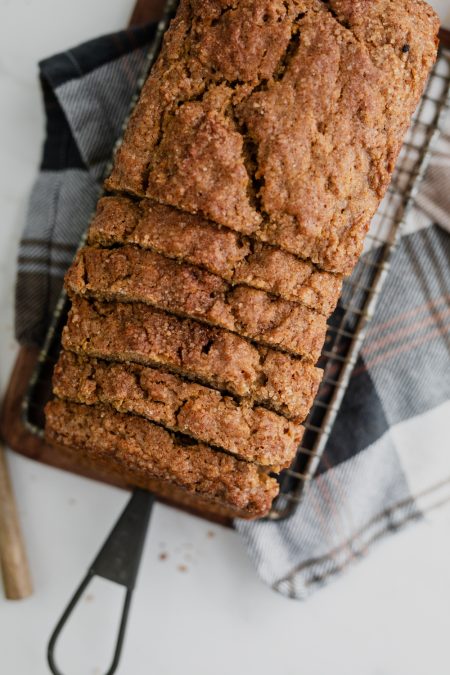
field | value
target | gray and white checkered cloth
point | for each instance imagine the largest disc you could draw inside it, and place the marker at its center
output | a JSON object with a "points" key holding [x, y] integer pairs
{"points": [[370, 480]]}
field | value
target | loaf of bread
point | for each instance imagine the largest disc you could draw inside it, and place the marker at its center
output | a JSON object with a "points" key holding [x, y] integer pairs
{"points": [[263, 141], [133, 275]]}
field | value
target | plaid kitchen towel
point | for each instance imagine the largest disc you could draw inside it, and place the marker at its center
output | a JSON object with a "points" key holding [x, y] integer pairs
{"points": [[371, 479]]}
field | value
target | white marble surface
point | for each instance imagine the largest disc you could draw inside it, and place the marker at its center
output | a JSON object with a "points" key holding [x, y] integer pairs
{"points": [[202, 610]]}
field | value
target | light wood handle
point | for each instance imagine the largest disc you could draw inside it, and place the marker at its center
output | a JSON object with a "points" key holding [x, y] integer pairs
{"points": [[14, 564]]}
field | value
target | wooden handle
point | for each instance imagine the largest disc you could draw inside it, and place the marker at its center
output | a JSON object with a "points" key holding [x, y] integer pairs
{"points": [[15, 571]]}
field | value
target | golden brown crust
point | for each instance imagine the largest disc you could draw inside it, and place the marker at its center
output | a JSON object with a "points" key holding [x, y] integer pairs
{"points": [[279, 119], [236, 259], [131, 274], [145, 449], [254, 434], [141, 334]]}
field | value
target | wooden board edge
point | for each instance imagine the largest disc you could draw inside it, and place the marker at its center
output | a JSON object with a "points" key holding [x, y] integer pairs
{"points": [[147, 12]]}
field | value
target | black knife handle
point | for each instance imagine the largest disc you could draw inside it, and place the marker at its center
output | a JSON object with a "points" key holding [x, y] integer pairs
{"points": [[118, 560]]}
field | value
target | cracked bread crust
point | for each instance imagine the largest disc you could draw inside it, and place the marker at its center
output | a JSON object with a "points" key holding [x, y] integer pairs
{"points": [[254, 434], [234, 258], [131, 274], [136, 332], [280, 119], [148, 450]]}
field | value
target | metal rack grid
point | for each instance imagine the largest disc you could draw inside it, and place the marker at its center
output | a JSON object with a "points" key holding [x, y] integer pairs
{"points": [[347, 326]]}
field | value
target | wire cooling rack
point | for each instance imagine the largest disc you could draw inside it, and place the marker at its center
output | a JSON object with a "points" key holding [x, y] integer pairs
{"points": [[347, 326]]}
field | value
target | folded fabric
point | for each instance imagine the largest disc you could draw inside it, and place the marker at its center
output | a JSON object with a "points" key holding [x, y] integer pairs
{"points": [[369, 481]]}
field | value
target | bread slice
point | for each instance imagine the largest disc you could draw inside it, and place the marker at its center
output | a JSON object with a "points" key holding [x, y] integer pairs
{"points": [[144, 449], [135, 332], [254, 434], [236, 259], [133, 275]]}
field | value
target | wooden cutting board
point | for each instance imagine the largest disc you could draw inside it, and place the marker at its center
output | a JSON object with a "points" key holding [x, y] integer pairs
{"points": [[12, 428]]}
